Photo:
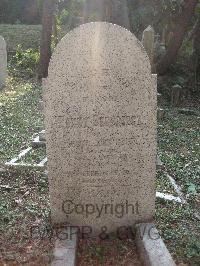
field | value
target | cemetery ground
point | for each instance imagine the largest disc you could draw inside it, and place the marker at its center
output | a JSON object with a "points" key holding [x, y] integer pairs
{"points": [[24, 193], [24, 202]]}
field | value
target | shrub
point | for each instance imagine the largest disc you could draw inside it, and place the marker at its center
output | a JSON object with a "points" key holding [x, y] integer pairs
{"points": [[24, 63]]}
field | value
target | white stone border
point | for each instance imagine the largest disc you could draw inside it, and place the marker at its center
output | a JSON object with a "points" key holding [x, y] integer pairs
{"points": [[36, 140], [151, 248], [176, 187], [22, 154], [65, 250], [168, 197]]}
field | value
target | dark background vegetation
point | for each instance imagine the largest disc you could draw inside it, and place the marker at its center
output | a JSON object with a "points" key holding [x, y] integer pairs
{"points": [[166, 16]]}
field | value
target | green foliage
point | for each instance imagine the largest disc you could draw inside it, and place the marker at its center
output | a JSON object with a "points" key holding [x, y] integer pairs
{"points": [[179, 150], [24, 62], [193, 250], [192, 189], [20, 116], [179, 229], [63, 17], [98, 252], [179, 80], [140, 18], [160, 14]]}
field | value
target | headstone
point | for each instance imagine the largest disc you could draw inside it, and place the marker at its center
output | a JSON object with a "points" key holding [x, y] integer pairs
{"points": [[3, 62], [161, 113], [42, 135], [148, 43], [176, 95], [100, 127], [40, 106], [159, 99]]}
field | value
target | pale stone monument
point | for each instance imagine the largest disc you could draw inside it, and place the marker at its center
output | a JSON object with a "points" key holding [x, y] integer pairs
{"points": [[100, 120], [148, 39], [3, 62]]}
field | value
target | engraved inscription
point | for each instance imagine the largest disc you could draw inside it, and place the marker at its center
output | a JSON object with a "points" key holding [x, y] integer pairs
{"points": [[112, 121]]}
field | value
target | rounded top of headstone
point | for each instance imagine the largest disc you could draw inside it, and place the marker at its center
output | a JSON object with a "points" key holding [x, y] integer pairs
{"points": [[99, 40], [149, 28], [96, 67], [2, 43]]}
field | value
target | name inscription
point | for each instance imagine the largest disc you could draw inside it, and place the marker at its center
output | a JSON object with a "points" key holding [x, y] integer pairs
{"points": [[102, 121]]}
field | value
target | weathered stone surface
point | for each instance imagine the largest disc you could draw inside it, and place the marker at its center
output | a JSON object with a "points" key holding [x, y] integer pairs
{"points": [[148, 43], [3, 62], [159, 164], [159, 99], [176, 95], [151, 247], [65, 248], [42, 135], [40, 106], [100, 121]]}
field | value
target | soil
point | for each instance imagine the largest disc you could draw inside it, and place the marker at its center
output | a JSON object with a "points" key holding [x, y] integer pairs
{"points": [[95, 252]]}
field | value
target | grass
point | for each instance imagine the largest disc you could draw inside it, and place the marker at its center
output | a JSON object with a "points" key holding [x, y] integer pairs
{"points": [[180, 230], [26, 35], [34, 156], [179, 150], [24, 201], [163, 184], [24, 205], [107, 252]]}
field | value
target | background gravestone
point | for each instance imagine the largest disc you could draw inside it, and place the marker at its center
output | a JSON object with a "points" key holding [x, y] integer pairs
{"points": [[3, 62], [148, 43], [100, 120]]}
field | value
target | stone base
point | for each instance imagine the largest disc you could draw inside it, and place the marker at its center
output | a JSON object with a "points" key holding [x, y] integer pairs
{"points": [[36, 143], [159, 164], [151, 248], [42, 135], [65, 249]]}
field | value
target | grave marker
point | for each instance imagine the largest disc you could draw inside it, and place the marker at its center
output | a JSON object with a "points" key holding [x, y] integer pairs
{"points": [[148, 43], [3, 62], [100, 120]]}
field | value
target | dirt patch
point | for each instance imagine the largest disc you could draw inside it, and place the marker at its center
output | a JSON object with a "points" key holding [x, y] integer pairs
{"points": [[107, 252]]}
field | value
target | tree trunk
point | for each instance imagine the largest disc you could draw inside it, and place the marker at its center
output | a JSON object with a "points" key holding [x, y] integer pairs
{"points": [[196, 55], [55, 31], [177, 36], [45, 45]]}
